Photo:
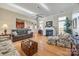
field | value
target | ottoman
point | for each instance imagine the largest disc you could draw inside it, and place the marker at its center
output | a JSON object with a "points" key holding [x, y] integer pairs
{"points": [[29, 47]]}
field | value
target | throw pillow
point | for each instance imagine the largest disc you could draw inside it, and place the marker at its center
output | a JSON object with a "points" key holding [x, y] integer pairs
{"points": [[14, 33]]}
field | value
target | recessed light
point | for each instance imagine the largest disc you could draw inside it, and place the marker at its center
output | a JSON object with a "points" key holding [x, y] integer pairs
{"points": [[61, 11]]}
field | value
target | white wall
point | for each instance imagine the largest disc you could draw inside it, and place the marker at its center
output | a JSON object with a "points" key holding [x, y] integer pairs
{"points": [[54, 18], [49, 18], [76, 15], [9, 18]]}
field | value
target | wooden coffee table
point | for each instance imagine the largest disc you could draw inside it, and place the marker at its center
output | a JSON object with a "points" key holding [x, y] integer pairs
{"points": [[29, 47]]}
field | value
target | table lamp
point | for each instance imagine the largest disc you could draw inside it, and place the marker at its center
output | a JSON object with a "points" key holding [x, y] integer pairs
{"points": [[5, 26]]}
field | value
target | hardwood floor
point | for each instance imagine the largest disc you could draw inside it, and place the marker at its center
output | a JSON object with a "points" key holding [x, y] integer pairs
{"points": [[43, 48]]}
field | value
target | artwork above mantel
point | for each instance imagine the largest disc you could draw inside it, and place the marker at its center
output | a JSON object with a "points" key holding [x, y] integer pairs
{"points": [[49, 24]]}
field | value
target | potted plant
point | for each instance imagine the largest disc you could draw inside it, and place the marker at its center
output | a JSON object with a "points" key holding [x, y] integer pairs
{"points": [[67, 26]]}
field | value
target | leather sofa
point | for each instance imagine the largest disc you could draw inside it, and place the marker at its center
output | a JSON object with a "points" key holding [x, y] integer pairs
{"points": [[20, 34]]}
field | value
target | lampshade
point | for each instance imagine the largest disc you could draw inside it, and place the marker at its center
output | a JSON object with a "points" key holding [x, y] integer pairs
{"points": [[5, 26]]}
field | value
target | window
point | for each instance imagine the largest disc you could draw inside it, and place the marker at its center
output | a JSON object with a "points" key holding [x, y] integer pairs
{"points": [[61, 24], [40, 24]]}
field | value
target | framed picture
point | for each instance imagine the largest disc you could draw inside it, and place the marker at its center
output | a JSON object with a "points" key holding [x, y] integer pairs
{"points": [[49, 24], [75, 23]]}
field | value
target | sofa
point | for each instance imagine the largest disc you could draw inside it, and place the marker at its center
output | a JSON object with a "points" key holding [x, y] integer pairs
{"points": [[7, 48], [20, 34], [63, 40], [75, 46]]}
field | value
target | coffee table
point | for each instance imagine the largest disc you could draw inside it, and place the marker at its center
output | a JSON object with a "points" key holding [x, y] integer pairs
{"points": [[29, 47]]}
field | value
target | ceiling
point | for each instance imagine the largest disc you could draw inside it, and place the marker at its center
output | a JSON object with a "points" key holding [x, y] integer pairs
{"points": [[54, 8], [38, 9]]}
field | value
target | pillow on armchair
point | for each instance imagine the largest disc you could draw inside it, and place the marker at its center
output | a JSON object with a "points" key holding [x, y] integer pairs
{"points": [[64, 36], [52, 40]]}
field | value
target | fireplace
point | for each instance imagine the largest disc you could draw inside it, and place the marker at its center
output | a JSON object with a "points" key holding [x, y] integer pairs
{"points": [[49, 32]]}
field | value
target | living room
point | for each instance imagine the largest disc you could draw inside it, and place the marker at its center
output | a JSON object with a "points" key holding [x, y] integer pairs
{"points": [[39, 29]]}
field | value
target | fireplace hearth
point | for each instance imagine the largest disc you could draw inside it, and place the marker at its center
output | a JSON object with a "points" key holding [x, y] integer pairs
{"points": [[49, 32]]}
